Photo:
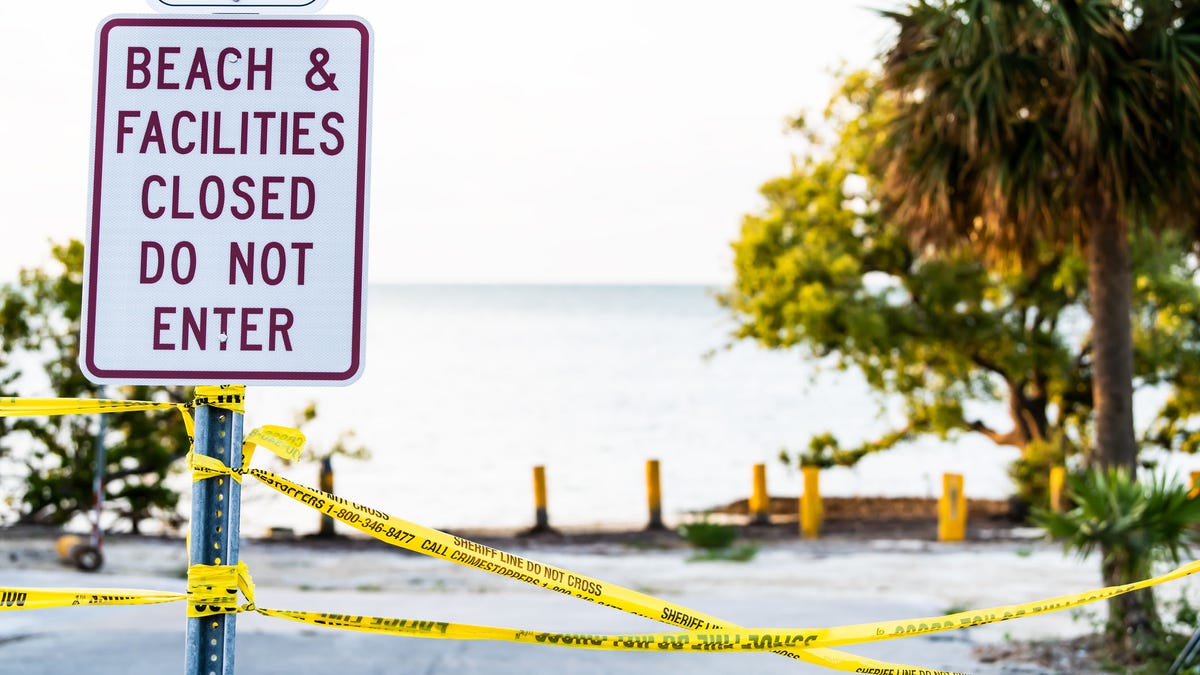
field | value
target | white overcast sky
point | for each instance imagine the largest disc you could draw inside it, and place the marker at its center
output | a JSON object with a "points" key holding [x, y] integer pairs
{"points": [[514, 140]]}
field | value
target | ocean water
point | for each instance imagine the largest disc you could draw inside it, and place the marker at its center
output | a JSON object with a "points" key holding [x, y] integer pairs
{"points": [[467, 388]]}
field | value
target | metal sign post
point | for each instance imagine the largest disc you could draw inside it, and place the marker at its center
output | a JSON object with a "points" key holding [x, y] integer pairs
{"points": [[216, 510], [97, 539]]}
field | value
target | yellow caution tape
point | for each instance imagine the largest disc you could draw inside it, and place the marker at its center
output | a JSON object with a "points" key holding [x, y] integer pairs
{"points": [[439, 544], [285, 442], [41, 598], [227, 396], [42, 407], [746, 639], [203, 466], [213, 589]]}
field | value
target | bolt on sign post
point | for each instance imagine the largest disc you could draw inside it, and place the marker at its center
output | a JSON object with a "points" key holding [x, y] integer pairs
{"points": [[227, 230], [952, 509]]}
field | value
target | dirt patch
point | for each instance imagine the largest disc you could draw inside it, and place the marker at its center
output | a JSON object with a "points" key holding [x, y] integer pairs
{"points": [[884, 517], [1079, 656]]}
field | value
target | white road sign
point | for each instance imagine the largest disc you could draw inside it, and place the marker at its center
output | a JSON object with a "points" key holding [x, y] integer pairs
{"points": [[228, 208]]}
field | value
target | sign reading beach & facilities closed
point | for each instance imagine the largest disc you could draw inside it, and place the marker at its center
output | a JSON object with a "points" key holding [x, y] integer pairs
{"points": [[228, 209]]}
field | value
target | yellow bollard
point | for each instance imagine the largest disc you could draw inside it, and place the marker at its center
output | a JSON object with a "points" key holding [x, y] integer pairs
{"points": [[1194, 485], [653, 495], [325, 482], [810, 504], [952, 509], [760, 503], [1058, 475], [541, 519]]}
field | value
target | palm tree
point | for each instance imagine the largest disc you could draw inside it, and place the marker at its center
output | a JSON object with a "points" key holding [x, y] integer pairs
{"points": [[1135, 522], [1023, 125]]}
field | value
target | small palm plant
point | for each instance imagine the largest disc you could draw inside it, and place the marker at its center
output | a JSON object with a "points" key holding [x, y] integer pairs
{"points": [[1133, 523]]}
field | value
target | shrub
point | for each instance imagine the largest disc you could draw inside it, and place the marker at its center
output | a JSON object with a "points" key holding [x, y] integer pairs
{"points": [[1132, 523], [708, 536]]}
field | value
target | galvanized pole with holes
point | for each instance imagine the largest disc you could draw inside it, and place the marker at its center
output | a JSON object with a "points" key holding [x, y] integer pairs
{"points": [[93, 557], [216, 508]]}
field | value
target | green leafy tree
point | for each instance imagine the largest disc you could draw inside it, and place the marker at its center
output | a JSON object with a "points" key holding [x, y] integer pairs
{"points": [[1022, 125], [820, 270], [39, 323]]}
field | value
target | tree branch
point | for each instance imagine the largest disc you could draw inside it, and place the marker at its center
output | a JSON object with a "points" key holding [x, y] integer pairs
{"points": [[988, 364], [1007, 438]]}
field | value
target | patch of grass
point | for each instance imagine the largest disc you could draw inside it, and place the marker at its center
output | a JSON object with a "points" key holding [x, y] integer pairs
{"points": [[368, 588], [644, 545], [708, 536], [743, 553]]}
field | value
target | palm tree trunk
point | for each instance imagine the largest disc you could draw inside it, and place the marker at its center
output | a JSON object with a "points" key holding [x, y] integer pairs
{"points": [[1133, 621], [1133, 616], [1110, 284]]}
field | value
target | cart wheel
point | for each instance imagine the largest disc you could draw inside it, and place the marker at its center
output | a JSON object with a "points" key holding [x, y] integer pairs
{"points": [[87, 558]]}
